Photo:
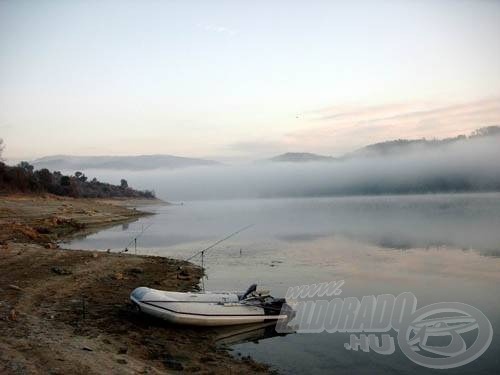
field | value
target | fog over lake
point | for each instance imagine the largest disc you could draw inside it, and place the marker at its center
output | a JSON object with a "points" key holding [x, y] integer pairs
{"points": [[464, 166]]}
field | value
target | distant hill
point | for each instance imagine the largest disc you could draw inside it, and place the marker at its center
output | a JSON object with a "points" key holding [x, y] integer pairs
{"points": [[141, 162], [300, 157], [401, 146], [393, 147]]}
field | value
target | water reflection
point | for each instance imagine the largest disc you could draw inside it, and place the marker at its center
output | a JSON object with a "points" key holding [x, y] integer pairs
{"points": [[396, 222], [255, 333]]}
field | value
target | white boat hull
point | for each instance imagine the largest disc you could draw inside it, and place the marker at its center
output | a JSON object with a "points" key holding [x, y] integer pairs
{"points": [[200, 309]]}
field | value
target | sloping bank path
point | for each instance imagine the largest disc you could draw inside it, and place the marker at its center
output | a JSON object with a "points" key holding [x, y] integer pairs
{"points": [[68, 312]]}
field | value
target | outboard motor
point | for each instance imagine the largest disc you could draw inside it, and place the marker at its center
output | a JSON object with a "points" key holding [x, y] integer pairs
{"points": [[252, 288], [276, 306]]}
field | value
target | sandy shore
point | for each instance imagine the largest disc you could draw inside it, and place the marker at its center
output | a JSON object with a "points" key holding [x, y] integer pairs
{"points": [[67, 311]]}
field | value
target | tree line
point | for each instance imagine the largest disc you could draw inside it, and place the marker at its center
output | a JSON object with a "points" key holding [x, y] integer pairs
{"points": [[23, 178]]}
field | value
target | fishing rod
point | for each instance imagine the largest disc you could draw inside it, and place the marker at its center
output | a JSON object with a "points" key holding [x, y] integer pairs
{"points": [[134, 240], [202, 252]]}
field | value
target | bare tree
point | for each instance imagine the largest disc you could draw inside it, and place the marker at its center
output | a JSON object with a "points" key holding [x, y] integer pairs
{"points": [[1, 148]]}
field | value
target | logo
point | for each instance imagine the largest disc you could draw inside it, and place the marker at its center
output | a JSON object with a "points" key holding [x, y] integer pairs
{"points": [[431, 336], [453, 319]]}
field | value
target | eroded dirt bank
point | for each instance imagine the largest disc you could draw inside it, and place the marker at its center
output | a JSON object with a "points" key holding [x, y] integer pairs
{"points": [[67, 311]]}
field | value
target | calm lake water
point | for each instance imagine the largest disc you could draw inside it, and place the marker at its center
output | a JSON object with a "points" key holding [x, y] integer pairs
{"points": [[439, 247]]}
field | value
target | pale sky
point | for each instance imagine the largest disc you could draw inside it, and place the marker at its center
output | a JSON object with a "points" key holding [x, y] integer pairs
{"points": [[234, 80]]}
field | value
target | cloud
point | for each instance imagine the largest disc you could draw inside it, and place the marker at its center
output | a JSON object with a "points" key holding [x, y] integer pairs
{"points": [[340, 129], [343, 128]]}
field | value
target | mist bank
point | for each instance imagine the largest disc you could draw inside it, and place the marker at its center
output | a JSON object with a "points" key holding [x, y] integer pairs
{"points": [[468, 166], [134, 163]]}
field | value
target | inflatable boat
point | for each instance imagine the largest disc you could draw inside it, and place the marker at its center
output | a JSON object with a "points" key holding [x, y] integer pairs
{"points": [[210, 308]]}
